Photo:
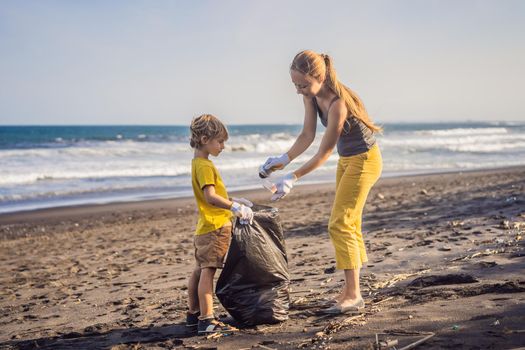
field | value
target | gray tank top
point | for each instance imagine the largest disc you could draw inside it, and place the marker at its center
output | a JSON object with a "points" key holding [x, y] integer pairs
{"points": [[355, 138]]}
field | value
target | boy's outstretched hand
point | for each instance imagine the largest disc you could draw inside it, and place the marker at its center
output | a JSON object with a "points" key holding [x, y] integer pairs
{"points": [[241, 209]]}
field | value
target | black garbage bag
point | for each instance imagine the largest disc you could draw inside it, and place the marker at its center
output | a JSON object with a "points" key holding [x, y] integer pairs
{"points": [[253, 285]]}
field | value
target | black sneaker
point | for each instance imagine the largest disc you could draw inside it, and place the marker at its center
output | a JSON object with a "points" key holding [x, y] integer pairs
{"points": [[211, 325], [192, 320]]}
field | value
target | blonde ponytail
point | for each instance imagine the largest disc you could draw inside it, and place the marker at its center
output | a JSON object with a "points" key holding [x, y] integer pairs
{"points": [[321, 65]]}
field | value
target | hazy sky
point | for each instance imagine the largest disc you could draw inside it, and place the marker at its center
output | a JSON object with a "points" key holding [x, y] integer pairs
{"points": [[163, 62]]}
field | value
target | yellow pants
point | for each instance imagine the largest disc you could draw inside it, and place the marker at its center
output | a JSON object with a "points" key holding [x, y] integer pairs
{"points": [[355, 177]]}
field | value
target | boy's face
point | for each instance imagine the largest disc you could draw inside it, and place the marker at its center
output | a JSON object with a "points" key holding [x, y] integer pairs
{"points": [[214, 146]]}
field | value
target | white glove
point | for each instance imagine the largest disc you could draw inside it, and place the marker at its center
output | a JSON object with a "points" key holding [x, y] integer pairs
{"points": [[244, 213], [272, 164], [242, 201], [284, 186]]}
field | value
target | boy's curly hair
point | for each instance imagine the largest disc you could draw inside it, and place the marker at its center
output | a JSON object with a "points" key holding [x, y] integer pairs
{"points": [[206, 125]]}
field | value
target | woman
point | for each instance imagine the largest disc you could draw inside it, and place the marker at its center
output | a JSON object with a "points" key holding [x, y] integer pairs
{"points": [[350, 128]]}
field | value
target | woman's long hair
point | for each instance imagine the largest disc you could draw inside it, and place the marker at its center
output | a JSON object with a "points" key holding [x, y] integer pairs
{"points": [[321, 66]]}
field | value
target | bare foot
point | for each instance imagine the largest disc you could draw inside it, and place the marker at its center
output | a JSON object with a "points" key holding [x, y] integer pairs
{"points": [[339, 297], [351, 302]]}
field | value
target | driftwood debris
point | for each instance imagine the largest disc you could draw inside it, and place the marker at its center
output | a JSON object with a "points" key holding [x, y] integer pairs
{"points": [[416, 343], [391, 343], [390, 282]]}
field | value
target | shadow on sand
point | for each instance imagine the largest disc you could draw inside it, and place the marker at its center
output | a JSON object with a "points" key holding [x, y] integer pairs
{"points": [[171, 334]]}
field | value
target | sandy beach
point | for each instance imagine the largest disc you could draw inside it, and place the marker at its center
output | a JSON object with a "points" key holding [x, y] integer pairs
{"points": [[446, 258]]}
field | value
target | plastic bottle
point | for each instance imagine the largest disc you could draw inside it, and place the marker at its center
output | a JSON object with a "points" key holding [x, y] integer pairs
{"points": [[269, 185]]}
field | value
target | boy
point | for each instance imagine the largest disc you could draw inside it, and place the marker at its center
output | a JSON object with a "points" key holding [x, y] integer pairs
{"points": [[213, 233]]}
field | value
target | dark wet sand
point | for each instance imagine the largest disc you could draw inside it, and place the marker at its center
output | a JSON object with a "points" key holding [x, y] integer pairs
{"points": [[113, 276]]}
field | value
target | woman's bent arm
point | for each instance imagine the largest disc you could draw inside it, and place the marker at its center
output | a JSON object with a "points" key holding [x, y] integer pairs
{"points": [[336, 120], [307, 135]]}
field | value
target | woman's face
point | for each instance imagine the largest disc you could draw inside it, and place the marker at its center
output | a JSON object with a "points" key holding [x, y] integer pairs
{"points": [[305, 84]]}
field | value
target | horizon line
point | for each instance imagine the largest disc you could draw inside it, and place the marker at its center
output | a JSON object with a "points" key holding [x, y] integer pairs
{"points": [[268, 124]]}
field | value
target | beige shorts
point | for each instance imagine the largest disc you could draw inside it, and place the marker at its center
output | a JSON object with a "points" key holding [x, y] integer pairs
{"points": [[211, 247]]}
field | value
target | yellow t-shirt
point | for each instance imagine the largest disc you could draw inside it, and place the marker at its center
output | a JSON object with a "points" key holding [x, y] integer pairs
{"points": [[204, 173]]}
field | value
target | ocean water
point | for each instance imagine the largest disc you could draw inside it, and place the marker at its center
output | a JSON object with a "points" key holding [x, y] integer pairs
{"points": [[49, 166]]}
